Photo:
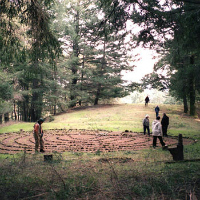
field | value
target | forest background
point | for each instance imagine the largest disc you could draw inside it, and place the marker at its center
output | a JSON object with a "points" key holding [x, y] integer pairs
{"points": [[55, 55]]}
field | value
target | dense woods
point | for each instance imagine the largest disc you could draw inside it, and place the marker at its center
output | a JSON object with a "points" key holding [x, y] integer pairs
{"points": [[57, 54]]}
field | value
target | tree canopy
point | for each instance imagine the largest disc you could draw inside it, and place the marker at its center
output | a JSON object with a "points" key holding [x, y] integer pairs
{"points": [[57, 54], [171, 27]]}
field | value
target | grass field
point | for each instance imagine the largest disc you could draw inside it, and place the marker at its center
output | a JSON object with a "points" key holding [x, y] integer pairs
{"points": [[116, 118], [145, 174]]}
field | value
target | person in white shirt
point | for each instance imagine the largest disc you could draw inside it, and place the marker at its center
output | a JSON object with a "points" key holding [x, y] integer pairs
{"points": [[157, 132]]}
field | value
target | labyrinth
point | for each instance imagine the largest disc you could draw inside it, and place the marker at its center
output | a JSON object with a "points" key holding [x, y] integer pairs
{"points": [[80, 141]]}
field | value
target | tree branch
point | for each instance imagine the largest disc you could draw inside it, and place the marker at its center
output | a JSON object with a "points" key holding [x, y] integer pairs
{"points": [[189, 1]]}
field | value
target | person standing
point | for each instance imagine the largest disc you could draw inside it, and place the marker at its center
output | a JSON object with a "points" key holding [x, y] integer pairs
{"points": [[165, 123], [157, 132], [146, 101], [157, 109], [38, 135], [146, 124]]}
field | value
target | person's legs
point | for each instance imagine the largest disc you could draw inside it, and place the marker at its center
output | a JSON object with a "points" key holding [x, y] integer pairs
{"points": [[36, 142], [144, 129], [148, 130], [156, 114], [164, 129], [154, 141], [161, 141], [41, 144]]}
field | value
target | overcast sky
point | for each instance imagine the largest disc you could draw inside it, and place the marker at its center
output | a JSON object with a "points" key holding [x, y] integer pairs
{"points": [[146, 58], [143, 66]]}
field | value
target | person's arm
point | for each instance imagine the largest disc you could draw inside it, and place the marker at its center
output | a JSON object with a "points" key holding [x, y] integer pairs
{"points": [[41, 132]]}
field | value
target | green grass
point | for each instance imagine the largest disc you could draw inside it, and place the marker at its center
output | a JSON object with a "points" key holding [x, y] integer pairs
{"points": [[116, 118], [149, 174]]}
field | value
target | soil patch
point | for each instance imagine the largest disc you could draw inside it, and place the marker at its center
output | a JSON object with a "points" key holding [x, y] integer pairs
{"points": [[81, 141]]}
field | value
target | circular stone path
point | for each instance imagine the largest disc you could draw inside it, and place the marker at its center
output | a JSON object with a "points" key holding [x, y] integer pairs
{"points": [[81, 141]]}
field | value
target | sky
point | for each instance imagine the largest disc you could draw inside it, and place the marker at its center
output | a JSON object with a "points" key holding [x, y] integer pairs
{"points": [[143, 66], [147, 58]]}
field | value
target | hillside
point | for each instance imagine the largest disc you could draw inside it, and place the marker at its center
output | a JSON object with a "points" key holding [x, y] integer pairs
{"points": [[118, 117]]}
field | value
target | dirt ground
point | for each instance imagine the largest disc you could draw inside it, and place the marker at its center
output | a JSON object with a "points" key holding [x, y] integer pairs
{"points": [[81, 141]]}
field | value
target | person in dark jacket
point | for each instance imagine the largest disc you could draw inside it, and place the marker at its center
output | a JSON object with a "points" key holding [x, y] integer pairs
{"points": [[165, 123], [157, 109], [146, 101], [146, 124]]}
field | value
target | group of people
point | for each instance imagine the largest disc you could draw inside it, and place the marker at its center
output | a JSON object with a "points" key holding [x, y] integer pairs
{"points": [[159, 128]]}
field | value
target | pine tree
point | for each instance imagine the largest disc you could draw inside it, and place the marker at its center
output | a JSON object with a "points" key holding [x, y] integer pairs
{"points": [[26, 63], [159, 20], [96, 53]]}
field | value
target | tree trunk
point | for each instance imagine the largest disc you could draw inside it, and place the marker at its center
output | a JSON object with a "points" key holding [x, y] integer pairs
{"points": [[75, 65], [33, 108], [192, 99], [54, 110], [6, 117], [192, 89], [36, 107], [185, 104], [14, 111], [102, 67], [24, 115], [97, 95], [18, 112]]}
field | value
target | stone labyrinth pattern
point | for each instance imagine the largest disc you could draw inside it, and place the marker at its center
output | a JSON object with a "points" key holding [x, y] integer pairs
{"points": [[80, 141]]}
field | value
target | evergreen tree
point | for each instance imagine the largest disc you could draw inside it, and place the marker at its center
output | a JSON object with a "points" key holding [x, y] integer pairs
{"points": [[95, 52], [170, 27], [25, 57], [182, 55], [111, 60]]}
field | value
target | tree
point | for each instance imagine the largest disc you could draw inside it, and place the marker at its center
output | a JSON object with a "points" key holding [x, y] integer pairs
{"points": [[183, 57], [112, 59], [95, 52], [37, 46], [171, 27], [9, 53]]}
